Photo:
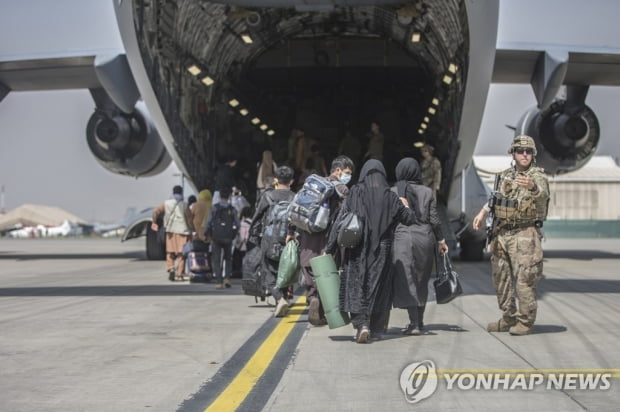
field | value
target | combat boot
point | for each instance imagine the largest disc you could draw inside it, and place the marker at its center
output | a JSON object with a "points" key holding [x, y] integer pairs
{"points": [[500, 326], [520, 329]]}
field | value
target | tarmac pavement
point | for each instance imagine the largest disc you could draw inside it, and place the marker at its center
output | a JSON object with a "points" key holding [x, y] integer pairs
{"points": [[89, 325]]}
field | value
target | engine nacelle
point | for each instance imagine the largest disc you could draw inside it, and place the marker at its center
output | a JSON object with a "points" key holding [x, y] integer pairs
{"points": [[127, 144], [565, 139]]}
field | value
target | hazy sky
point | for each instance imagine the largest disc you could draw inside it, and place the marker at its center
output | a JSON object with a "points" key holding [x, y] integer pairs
{"points": [[41, 132]]}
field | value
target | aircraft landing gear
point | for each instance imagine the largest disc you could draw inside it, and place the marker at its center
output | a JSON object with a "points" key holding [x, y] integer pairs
{"points": [[472, 250], [155, 249]]}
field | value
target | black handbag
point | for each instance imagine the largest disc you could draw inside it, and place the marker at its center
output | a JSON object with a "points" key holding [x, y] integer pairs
{"points": [[447, 285], [350, 234]]}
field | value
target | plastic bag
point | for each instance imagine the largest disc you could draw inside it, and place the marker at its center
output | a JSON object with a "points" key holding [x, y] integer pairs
{"points": [[289, 267]]}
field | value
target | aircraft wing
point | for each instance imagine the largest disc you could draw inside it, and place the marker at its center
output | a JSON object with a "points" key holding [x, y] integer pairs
{"points": [[107, 69], [519, 63], [53, 73]]}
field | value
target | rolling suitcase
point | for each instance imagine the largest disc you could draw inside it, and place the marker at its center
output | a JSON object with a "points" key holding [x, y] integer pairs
{"points": [[197, 267], [197, 261]]}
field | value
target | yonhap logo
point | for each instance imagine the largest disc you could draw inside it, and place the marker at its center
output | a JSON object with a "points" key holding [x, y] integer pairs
{"points": [[418, 381]]}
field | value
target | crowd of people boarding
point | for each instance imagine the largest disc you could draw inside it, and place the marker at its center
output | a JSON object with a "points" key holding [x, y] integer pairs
{"points": [[390, 268]]}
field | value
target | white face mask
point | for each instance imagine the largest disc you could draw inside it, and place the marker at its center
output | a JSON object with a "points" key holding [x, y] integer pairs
{"points": [[345, 178]]}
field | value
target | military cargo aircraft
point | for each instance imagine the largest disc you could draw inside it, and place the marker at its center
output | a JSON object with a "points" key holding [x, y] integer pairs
{"points": [[199, 79]]}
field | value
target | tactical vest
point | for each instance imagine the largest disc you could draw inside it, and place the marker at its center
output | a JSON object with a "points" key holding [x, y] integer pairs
{"points": [[516, 205]]}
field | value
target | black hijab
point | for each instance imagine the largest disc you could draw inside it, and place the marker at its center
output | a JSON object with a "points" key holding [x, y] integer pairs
{"points": [[408, 173], [371, 200], [409, 169]]}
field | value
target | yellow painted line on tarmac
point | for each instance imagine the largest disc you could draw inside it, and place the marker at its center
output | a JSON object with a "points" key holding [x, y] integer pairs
{"points": [[236, 392]]}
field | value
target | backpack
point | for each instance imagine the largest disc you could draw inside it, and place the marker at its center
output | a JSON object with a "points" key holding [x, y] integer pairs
{"points": [[252, 281], [304, 209], [275, 229], [223, 227]]}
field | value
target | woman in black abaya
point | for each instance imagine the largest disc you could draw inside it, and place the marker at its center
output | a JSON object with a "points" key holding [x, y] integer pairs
{"points": [[366, 279], [415, 245]]}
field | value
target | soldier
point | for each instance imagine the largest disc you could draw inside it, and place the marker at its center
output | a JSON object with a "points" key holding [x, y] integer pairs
{"points": [[375, 142], [431, 169], [521, 202]]}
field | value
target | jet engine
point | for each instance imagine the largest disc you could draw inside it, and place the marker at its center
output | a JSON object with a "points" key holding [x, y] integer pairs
{"points": [[127, 144], [566, 135]]}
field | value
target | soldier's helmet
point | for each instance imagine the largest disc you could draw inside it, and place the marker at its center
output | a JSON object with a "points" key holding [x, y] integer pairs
{"points": [[522, 141]]}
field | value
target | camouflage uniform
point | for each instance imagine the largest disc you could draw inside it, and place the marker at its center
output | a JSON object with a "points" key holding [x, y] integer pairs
{"points": [[431, 173], [517, 255]]}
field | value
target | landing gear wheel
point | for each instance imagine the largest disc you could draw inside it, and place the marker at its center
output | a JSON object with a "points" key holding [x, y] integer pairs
{"points": [[155, 249], [472, 251]]}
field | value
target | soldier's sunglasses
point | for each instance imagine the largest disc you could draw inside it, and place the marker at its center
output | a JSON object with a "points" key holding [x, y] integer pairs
{"points": [[521, 151]]}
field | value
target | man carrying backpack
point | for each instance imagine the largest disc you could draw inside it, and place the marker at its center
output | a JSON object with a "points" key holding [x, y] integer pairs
{"points": [[222, 227], [312, 242], [270, 224]]}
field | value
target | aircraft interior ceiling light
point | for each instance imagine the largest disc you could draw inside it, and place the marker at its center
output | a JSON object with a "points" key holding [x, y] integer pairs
{"points": [[194, 70], [208, 80]]}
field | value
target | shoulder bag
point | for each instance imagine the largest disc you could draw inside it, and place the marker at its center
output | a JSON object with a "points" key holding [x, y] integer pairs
{"points": [[447, 285], [350, 233]]}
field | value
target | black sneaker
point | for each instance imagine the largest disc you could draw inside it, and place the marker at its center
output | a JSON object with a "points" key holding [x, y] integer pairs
{"points": [[412, 329], [375, 336], [171, 275]]}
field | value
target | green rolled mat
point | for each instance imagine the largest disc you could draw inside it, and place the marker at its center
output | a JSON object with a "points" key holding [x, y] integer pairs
{"points": [[328, 283]]}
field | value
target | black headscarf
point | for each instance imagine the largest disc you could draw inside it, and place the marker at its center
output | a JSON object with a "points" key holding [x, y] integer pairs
{"points": [[409, 169], [408, 173], [370, 199]]}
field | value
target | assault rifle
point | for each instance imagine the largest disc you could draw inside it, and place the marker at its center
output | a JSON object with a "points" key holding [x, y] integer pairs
{"points": [[491, 221]]}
